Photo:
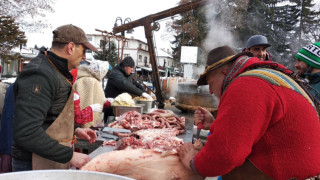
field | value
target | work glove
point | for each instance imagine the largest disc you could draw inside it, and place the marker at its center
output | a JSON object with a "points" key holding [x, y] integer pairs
{"points": [[147, 96], [96, 107], [107, 102]]}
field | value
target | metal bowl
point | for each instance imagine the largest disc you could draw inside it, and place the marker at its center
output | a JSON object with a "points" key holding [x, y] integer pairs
{"points": [[119, 110], [61, 175], [148, 105]]}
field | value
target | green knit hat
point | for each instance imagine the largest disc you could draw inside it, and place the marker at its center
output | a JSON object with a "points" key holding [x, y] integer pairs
{"points": [[310, 55]]}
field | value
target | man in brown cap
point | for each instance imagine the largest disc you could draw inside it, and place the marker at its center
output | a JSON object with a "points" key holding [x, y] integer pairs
{"points": [[43, 126], [266, 126]]}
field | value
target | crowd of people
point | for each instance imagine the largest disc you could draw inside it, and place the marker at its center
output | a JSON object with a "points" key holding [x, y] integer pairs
{"points": [[267, 125]]}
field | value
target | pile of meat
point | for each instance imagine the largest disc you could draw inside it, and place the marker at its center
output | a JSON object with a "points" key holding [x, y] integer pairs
{"points": [[143, 164], [157, 119], [160, 140]]}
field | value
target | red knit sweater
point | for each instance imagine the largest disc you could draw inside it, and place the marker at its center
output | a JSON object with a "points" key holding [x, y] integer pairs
{"points": [[276, 128]]}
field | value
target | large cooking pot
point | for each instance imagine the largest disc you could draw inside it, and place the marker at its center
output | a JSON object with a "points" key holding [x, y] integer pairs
{"points": [[190, 96], [61, 175]]}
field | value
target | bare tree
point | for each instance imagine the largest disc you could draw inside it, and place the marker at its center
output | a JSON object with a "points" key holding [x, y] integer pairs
{"points": [[29, 14]]}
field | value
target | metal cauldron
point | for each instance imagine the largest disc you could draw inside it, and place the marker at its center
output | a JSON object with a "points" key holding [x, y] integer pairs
{"points": [[190, 96], [61, 175]]}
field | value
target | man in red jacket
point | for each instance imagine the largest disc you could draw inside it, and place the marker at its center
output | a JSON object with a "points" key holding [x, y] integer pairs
{"points": [[266, 127]]}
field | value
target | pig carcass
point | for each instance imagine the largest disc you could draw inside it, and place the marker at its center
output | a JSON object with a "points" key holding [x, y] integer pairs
{"points": [[141, 164]]}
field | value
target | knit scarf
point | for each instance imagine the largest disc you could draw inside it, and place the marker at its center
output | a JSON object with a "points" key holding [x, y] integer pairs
{"points": [[245, 63]]}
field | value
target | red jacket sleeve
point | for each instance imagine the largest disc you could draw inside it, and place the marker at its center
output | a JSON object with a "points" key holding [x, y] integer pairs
{"points": [[82, 116]]}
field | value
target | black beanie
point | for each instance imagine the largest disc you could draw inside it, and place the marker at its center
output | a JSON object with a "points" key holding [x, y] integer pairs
{"points": [[127, 62]]}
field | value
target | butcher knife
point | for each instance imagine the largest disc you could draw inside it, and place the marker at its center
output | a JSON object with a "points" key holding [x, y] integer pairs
{"points": [[111, 130], [109, 136]]}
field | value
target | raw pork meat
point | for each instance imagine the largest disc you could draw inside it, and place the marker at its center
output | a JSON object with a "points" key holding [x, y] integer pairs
{"points": [[160, 140], [158, 119], [141, 164]]}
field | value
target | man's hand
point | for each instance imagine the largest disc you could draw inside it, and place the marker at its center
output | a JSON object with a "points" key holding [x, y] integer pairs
{"points": [[78, 159], [147, 96], [86, 133], [203, 116], [187, 153]]}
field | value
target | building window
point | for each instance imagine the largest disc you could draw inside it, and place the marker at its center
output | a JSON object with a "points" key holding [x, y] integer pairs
{"points": [[140, 46], [89, 39], [126, 44], [140, 58], [145, 61], [88, 51], [146, 47]]}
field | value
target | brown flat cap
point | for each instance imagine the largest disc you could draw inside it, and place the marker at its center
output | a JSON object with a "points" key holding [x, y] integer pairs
{"points": [[70, 33], [218, 57]]}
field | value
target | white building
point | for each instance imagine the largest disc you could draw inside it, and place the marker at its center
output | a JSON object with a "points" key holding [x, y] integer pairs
{"points": [[135, 48], [138, 50], [165, 61]]}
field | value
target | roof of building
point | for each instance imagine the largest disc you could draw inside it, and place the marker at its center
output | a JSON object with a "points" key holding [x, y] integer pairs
{"points": [[163, 53]]}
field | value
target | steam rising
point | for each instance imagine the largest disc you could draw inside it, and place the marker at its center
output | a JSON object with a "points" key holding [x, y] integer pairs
{"points": [[218, 32]]}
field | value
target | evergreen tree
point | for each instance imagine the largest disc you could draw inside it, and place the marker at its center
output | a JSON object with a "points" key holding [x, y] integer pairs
{"points": [[288, 25], [107, 54], [190, 30], [307, 23], [284, 17], [10, 36], [30, 14], [255, 21]]}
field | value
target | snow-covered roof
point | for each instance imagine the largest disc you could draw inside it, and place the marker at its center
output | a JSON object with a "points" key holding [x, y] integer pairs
{"points": [[26, 52], [162, 53]]}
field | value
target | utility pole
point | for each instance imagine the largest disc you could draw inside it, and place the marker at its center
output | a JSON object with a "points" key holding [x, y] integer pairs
{"points": [[149, 26], [104, 48]]}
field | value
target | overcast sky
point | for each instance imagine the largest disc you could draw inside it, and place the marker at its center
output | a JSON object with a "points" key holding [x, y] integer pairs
{"points": [[101, 14]]}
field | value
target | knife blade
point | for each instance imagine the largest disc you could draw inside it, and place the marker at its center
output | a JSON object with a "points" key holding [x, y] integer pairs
{"points": [[111, 130], [109, 136]]}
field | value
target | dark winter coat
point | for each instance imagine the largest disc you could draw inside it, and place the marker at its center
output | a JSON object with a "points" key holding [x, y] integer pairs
{"points": [[6, 122], [119, 82], [40, 95], [314, 80]]}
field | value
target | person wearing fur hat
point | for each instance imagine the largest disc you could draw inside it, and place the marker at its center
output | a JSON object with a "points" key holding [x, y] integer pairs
{"points": [[308, 66], [266, 127], [87, 84]]}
